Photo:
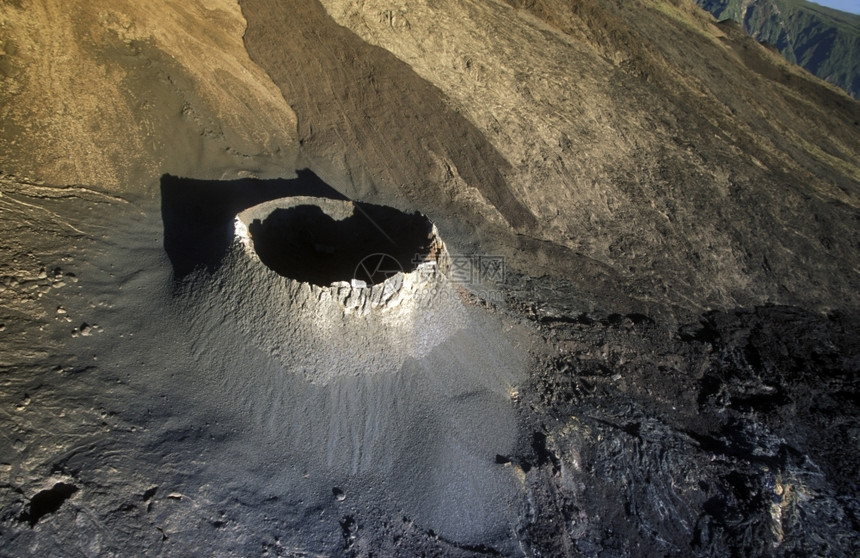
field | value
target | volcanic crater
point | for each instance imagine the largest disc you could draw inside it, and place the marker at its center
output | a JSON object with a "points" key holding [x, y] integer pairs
{"points": [[323, 241]]}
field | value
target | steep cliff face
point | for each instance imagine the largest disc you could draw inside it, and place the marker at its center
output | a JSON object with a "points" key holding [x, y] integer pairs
{"points": [[822, 40]]}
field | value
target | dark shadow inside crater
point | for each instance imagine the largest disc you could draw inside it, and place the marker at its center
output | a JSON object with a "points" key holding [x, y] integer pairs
{"points": [[306, 244], [198, 214]]}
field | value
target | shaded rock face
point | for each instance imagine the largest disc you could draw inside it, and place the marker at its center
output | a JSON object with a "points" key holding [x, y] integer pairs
{"points": [[354, 94], [47, 502], [198, 215]]}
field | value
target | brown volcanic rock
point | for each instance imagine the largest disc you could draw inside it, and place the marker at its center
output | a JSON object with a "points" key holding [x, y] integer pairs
{"points": [[635, 134], [640, 149], [368, 121], [115, 94]]}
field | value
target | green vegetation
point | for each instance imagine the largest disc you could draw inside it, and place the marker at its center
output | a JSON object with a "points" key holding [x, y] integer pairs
{"points": [[824, 41]]}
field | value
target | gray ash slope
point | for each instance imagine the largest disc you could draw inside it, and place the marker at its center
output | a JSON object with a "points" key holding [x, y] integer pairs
{"points": [[668, 368], [183, 430]]}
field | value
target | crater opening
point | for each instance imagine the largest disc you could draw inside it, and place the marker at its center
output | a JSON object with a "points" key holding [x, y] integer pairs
{"points": [[328, 241]]}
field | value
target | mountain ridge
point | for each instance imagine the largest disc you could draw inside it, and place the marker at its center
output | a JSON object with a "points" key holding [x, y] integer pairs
{"points": [[824, 41]]}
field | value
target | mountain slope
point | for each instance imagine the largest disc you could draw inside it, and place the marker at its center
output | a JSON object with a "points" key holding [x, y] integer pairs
{"points": [[643, 138], [824, 41], [115, 94]]}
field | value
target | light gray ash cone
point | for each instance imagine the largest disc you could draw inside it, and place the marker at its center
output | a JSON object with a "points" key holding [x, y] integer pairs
{"points": [[331, 287]]}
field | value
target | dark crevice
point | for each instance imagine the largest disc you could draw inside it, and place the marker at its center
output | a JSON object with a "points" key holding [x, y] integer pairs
{"points": [[47, 502]]}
